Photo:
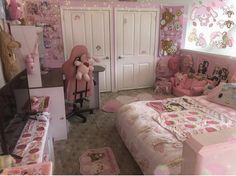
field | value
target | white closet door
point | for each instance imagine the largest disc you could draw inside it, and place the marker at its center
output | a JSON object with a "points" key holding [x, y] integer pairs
{"points": [[135, 43], [92, 29]]}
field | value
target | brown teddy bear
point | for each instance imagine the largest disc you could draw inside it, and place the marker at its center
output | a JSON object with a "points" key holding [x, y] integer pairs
{"points": [[9, 63]]}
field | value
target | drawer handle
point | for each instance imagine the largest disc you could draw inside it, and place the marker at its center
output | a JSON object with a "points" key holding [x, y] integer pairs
{"points": [[62, 118]]}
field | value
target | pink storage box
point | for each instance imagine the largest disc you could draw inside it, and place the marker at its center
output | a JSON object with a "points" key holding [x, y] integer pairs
{"points": [[212, 153]]}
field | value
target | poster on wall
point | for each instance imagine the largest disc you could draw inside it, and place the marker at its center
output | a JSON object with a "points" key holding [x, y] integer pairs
{"points": [[46, 13], [171, 27], [211, 26]]}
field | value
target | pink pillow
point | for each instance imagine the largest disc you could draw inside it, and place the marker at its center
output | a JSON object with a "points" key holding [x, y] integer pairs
{"points": [[197, 90], [188, 83], [225, 94], [198, 83]]}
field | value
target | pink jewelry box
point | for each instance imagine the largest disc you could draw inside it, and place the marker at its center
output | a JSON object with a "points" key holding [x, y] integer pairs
{"points": [[211, 153]]}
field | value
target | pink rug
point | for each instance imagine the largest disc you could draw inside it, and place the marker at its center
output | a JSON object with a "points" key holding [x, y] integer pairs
{"points": [[98, 162], [113, 105]]}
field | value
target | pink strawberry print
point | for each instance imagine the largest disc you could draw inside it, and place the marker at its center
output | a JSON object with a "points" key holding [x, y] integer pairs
{"points": [[191, 118], [189, 126], [173, 115], [168, 122], [192, 112], [212, 122], [210, 129]]}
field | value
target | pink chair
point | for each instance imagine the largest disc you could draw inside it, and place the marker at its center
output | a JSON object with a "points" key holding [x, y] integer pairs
{"points": [[182, 85], [77, 90], [188, 86]]}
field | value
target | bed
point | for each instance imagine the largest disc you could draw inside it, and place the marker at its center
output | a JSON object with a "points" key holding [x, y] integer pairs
{"points": [[154, 131]]}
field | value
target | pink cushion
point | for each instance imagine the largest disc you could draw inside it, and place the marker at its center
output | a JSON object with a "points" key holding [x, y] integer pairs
{"points": [[225, 94], [198, 83], [197, 90], [178, 91], [187, 83], [173, 64]]}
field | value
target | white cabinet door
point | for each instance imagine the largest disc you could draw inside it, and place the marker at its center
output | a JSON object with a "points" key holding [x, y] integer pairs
{"points": [[135, 48], [56, 108], [92, 29]]}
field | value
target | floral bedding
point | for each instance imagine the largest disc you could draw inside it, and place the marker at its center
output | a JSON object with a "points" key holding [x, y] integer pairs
{"points": [[153, 131]]}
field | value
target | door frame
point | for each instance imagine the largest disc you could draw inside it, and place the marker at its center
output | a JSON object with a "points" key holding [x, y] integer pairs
{"points": [[111, 34], [156, 43]]}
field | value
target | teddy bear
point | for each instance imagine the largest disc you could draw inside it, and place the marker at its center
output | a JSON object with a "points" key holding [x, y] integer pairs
{"points": [[167, 17], [83, 67], [9, 62]]}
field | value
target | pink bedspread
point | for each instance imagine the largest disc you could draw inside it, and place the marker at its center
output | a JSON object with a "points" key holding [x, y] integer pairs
{"points": [[155, 146]]}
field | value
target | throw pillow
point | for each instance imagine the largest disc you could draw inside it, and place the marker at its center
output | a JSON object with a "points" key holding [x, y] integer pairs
{"points": [[224, 94]]}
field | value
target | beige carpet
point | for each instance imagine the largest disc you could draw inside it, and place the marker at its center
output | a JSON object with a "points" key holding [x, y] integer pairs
{"points": [[99, 131]]}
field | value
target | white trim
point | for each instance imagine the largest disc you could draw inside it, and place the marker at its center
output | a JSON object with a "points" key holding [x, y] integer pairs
{"points": [[134, 9], [86, 8], [157, 37]]}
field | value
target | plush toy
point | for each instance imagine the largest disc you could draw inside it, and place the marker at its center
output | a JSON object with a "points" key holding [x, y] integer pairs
{"points": [[29, 62], [14, 10], [6, 161], [9, 63], [83, 67]]}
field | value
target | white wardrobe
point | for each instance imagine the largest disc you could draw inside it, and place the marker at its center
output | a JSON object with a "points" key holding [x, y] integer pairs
{"points": [[124, 40]]}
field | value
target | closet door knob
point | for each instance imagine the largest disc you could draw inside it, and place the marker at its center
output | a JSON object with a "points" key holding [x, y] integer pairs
{"points": [[107, 58], [120, 57]]}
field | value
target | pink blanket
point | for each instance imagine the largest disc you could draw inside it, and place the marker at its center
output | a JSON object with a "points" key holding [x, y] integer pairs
{"points": [[153, 133]]}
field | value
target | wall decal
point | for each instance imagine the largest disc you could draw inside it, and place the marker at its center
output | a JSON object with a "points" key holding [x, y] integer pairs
{"points": [[229, 23], [203, 14], [221, 23], [171, 29], [201, 41], [168, 47], [229, 13], [221, 40], [167, 17], [198, 40], [192, 37]]}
